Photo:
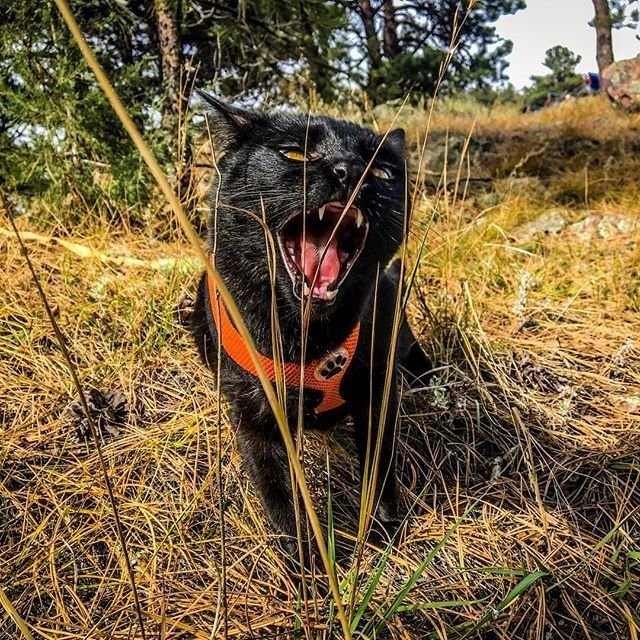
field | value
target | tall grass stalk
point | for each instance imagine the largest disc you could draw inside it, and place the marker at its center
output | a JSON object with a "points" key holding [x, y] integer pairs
{"points": [[232, 308], [90, 421]]}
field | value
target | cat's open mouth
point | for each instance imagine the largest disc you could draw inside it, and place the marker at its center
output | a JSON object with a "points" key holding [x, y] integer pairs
{"points": [[319, 256]]}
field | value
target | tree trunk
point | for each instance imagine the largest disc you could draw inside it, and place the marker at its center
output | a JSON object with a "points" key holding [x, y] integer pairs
{"points": [[168, 22], [170, 44], [367, 14], [602, 23], [391, 45]]}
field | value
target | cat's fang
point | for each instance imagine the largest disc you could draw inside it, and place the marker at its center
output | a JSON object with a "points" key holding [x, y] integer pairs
{"points": [[330, 295], [359, 219], [305, 289], [321, 212]]}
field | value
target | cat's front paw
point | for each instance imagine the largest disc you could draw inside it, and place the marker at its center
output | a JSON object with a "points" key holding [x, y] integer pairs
{"points": [[384, 528], [291, 552], [289, 546]]}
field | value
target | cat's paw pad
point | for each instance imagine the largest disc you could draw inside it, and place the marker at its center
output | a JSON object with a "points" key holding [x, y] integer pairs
{"points": [[184, 310]]}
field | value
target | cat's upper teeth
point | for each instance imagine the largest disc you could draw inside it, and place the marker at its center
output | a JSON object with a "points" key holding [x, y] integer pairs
{"points": [[305, 289], [321, 212], [359, 219]]}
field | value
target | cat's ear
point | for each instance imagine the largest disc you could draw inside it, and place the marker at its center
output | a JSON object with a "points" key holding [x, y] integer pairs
{"points": [[226, 121], [396, 139]]}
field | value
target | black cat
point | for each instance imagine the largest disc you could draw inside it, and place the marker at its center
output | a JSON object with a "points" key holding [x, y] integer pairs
{"points": [[262, 172]]}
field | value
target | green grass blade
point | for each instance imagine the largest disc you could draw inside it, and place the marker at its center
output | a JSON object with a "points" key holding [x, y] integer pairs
{"points": [[518, 590], [297, 625], [438, 604], [331, 538], [373, 583], [400, 597]]}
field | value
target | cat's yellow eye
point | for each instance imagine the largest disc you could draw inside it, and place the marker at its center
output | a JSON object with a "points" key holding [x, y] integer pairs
{"points": [[378, 172], [298, 156]]}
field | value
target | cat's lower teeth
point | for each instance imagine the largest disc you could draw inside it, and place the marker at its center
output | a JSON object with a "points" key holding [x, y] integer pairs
{"points": [[319, 248], [320, 293]]}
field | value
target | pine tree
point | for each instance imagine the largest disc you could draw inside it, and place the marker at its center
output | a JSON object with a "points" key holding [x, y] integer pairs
{"points": [[611, 14]]}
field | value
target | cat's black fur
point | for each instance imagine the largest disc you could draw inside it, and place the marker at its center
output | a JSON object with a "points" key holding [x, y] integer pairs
{"points": [[255, 177]]}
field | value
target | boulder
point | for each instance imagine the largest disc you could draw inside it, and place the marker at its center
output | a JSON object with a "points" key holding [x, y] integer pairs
{"points": [[549, 223], [621, 81]]}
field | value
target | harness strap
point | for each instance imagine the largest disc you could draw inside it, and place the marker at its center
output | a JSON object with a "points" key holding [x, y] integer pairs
{"points": [[322, 374]]}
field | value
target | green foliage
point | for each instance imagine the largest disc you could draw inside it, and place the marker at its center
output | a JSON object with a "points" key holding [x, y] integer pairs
{"points": [[623, 14], [58, 134], [491, 96], [429, 30], [561, 79], [415, 73], [562, 63], [248, 45], [481, 53]]}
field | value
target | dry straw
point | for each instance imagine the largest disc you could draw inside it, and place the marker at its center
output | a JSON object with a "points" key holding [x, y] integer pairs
{"points": [[533, 419]]}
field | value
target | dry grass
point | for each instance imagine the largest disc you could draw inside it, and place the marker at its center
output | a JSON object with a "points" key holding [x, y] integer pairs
{"points": [[524, 449]]}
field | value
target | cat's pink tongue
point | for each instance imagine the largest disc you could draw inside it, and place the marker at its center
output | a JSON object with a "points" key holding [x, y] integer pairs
{"points": [[329, 269]]}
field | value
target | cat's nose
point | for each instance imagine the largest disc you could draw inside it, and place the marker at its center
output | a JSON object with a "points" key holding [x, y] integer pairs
{"points": [[341, 170], [348, 172]]}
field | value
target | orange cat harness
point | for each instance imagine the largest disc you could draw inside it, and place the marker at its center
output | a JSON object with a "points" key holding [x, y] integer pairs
{"points": [[323, 374]]}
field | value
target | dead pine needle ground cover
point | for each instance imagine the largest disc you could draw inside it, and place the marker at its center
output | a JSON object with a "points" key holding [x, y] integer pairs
{"points": [[519, 463]]}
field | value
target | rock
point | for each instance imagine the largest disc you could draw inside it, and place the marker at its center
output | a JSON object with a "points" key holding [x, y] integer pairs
{"points": [[442, 148], [603, 227], [549, 223], [488, 200], [524, 186], [621, 81]]}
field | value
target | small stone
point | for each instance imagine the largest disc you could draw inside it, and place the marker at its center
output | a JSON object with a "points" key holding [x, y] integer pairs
{"points": [[549, 223]]}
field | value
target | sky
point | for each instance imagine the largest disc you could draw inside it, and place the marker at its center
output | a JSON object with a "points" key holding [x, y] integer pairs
{"points": [[546, 23]]}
